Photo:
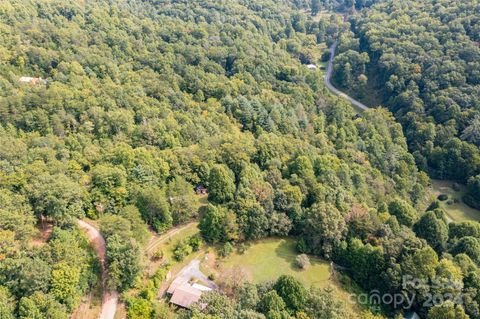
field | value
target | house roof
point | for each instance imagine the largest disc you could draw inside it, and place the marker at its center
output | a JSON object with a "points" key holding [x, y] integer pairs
{"points": [[185, 295], [33, 80], [26, 79], [177, 282]]}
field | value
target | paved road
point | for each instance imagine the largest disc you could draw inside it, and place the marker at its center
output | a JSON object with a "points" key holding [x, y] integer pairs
{"points": [[192, 270], [330, 86], [109, 298]]}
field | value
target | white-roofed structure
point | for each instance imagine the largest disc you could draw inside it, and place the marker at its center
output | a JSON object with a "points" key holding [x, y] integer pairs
{"points": [[201, 287], [31, 80]]}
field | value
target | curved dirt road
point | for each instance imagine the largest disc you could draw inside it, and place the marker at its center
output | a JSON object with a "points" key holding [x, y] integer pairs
{"points": [[330, 86], [155, 241], [109, 298]]}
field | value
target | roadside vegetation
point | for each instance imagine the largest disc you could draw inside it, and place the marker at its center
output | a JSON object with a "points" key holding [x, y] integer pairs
{"points": [[116, 110], [410, 57]]}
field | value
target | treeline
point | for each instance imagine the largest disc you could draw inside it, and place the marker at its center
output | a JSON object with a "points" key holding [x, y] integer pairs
{"points": [[422, 58], [279, 299], [143, 101]]}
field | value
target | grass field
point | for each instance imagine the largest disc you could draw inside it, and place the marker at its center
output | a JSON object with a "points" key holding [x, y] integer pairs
{"points": [[267, 259], [457, 211], [264, 260]]}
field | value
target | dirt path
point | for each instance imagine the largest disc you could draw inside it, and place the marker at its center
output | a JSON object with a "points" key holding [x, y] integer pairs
{"points": [[330, 86], [109, 298], [155, 241]]}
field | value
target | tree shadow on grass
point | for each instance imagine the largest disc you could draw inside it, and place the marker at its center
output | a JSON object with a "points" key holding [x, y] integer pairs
{"points": [[286, 251]]}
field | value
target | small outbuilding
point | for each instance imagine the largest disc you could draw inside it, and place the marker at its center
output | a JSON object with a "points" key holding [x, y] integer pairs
{"points": [[31, 80], [201, 190], [311, 67]]}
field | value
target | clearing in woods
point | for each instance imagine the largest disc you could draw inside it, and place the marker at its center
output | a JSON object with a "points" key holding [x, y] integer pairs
{"points": [[456, 209], [267, 259]]}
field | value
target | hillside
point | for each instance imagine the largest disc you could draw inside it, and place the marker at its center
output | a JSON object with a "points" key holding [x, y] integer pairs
{"points": [[116, 110], [420, 58]]}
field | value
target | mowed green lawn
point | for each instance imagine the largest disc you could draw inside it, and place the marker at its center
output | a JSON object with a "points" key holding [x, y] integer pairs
{"points": [[270, 258], [456, 211]]}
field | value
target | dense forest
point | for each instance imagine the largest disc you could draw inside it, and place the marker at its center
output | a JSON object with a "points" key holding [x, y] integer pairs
{"points": [[141, 101], [342, 6], [422, 58]]}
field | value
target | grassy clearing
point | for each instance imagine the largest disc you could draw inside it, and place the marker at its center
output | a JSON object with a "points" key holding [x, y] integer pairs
{"points": [[320, 15], [264, 260], [267, 259], [458, 210], [167, 243]]}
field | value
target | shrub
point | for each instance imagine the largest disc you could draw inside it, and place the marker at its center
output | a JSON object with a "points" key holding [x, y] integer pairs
{"points": [[160, 275], [456, 187], [148, 292], [226, 250], [182, 250], [434, 205], [302, 261], [442, 197], [211, 276], [157, 255], [196, 242], [138, 308], [450, 202], [241, 249]]}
